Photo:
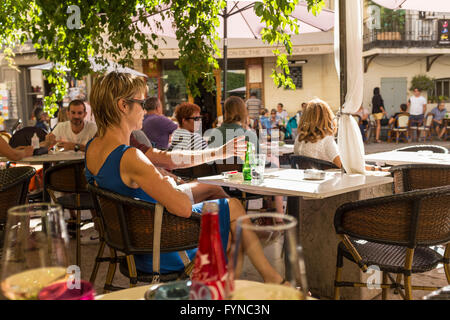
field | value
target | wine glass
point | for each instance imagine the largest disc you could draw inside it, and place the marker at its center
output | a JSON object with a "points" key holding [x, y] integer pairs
{"points": [[34, 251], [270, 240]]}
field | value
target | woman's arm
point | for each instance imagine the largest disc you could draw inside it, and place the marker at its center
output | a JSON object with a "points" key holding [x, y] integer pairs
{"points": [[337, 161], [185, 158], [136, 170], [14, 154]]}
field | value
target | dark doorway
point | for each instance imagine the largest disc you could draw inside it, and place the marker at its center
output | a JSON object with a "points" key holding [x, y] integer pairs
{"points": [[207, 102]]}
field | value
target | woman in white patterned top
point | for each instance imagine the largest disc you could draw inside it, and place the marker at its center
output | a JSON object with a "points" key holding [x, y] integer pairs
{"points": [[315, 135], [187, 136]]}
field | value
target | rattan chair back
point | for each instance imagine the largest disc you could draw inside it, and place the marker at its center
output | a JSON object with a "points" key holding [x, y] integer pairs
{"points": [[129, 223], [425, 147], [67, 177], [411, 177], [13, 188], [24, 135], [402, 121], [410, 219], [302, 162]]}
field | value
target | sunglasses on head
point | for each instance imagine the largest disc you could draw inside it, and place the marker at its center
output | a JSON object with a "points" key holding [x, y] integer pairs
{"points": [[195, 118]]}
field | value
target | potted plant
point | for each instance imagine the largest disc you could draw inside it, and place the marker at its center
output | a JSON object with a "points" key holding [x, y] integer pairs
{"points": [[422, 82]]}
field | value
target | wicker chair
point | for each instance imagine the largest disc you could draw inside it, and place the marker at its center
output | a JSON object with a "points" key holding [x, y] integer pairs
{"points": [[302, 162], [427, 127], [192, 173], [138, 227], [68, 178], [394, 233], [13, 188], [424, 147], [411, 177], [400, 128]]}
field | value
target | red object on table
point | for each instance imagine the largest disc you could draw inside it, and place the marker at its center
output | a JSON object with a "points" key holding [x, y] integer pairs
{"points": [[210, 264], [60, 291]]}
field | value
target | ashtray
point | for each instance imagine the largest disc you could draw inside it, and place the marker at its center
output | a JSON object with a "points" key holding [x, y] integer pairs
{"points": [[313, 174]]}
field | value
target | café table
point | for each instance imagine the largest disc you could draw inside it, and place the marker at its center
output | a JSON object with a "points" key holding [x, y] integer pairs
{"points": [[46, 160], [314, 203], [395, 158], [137, 293]]}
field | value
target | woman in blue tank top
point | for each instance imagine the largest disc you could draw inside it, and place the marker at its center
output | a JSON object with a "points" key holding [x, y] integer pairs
{"points": [[117, 101]]}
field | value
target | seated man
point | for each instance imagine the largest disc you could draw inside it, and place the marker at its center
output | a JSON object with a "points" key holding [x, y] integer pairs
{"points": [[403, 108], [72, 134], [363, 114], [439, 113], [156, 126]]}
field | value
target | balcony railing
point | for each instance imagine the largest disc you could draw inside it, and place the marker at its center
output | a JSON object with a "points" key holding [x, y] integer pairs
{"points": [[412, 34]]}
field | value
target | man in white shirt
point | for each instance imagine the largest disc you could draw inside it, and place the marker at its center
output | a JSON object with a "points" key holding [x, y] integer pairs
{"points": [[417, 107], [75, 133]]}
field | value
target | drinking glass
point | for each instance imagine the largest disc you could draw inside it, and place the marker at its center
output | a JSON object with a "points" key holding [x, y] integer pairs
{"points": [[34, 251], [270, 240], [258, 163]]}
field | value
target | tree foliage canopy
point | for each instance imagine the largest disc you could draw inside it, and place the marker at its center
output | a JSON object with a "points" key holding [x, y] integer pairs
{"points": [[69, 32]]}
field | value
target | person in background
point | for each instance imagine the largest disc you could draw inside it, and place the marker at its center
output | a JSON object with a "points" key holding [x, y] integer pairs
{"points": [[315, 134], [254, 106], [417, 107], [403, 108], [265, 121], [117, 101], [315, 137], [156, 126], [187, 136], [14, 154], [235, 124], [363, 114], [439, 113], [72, 134], [42, 119], [378, 111], [282, 115]]}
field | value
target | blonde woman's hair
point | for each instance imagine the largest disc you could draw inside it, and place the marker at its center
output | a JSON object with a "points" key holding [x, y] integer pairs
{"points": [[235, 110], [105, 94], [316, 122]]}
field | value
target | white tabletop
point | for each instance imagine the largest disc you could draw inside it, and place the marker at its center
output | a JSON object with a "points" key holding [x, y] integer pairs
{"points": [[278, 150], [54, 157], [402, 157], [290, 182]]}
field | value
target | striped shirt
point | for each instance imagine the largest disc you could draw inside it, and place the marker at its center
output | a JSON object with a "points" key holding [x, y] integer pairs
{"points": [[183, 139], [254, 107]]}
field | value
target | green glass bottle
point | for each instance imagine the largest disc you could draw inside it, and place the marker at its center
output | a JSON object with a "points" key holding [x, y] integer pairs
{"points": [[246, 169]]}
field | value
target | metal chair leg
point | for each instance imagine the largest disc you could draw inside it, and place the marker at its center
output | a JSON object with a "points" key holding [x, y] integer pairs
{"points": [[338, 275], [384, 291], [132, 271], [111, 270], [97, 262], [78, 226]]}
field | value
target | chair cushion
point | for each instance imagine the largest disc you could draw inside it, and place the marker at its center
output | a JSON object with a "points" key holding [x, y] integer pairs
{"points": [[391, 258], [147, 277], [69, 201]]}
